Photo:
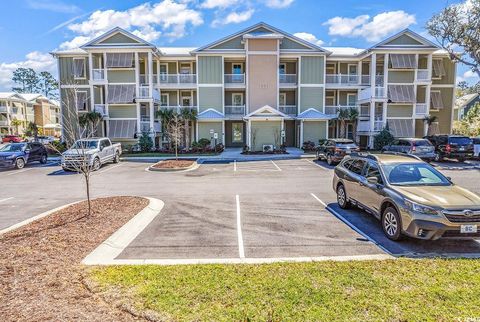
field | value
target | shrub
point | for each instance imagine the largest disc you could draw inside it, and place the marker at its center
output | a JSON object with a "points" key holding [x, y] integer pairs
{"points": [[219, 147], [203, 143], [145, 142], [308, 146], [55, 146], [382, 139]]}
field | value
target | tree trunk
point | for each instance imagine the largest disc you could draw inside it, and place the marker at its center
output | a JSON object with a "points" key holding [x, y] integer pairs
{"points": [[87, 183], [342, 129]]}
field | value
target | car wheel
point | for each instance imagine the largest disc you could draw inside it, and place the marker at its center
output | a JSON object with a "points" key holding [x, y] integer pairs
{"points": [[96, 164], [43, 159], [329, 159], [342, 197], [438, 157], [461, 159], [19, 163], [391, 224], [116, 158]]}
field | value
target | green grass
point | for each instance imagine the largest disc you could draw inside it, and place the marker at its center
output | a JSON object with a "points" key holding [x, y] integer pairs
{"points": [[157, 154], [394, 290]]}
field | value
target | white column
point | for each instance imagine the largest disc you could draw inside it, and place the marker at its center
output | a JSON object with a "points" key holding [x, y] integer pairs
{"points": [[385, 70], [158, 72], [90, 74], [384, 114], [359, 72], [150, 77], [223, 131], [371, 123], [301, 133], [138, 118], [249, 134], [429, 86], [373, 71], [137, 76]]}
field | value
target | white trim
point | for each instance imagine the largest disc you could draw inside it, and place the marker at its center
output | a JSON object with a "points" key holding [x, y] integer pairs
{"points": [[237, 93], [210, 85]]}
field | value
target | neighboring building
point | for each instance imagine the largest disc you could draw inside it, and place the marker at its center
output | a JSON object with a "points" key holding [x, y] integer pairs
{"points": [[28, 108], [464, 104], [259, 86]]}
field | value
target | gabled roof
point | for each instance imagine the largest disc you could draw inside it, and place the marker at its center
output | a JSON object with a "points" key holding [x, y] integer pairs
{"points": [[10, 95], [313, 114], [465, 100], [267, 111], [101, 41], [210, 114], [417, 41], [273, 32], [30, 97]]}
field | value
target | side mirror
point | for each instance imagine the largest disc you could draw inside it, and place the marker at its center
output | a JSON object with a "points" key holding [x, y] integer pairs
{"points": [[449, 179], [101, 148], [372, 180]]}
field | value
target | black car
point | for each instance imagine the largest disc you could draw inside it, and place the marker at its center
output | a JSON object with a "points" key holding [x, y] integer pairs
{"points": [[334, 150], [451, 146], [17, 155], [421, 148]]}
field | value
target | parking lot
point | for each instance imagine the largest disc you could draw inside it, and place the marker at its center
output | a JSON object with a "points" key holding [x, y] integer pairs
{"points": [[279, 209]]}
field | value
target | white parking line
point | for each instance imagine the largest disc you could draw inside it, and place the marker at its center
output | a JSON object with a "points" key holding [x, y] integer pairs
{"points": [[235, 165], [278, 168], [109, 168], [2, 200], [19, 171], [241, 250], [315, 164], [319, 200]]}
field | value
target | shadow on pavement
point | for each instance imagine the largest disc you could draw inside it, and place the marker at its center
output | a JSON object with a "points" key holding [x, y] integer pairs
{"points": [[324, 164], [408, 247], [62, 172]]}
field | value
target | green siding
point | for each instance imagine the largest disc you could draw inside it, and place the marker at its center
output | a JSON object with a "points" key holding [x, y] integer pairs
{"points": [[401, 76], [210, 70], [399, 111], [119, 38], [445, 114], [314, 131], [66, 71], [115, 111], [210, 97], [404, 40], [264, 133], [449, 78], [235, 43], [121, 76], [290, 44], [312, 69], [311, 97], [204, 130]]}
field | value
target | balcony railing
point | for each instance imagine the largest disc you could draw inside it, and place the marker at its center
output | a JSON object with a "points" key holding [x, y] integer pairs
{"points": [[178, 79], [234, 110], [100, 108], [377, 126], [368, 93], [175, 107], [3, 109], [234, 79], [334, 109], [341, 79], [288, 109], [98, 74], [144, 93], [420, 109], [144, 79], [287, 78], [423, 75]]}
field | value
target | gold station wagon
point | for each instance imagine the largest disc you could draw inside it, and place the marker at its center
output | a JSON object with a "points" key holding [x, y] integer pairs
{"points": [[408, 196]]}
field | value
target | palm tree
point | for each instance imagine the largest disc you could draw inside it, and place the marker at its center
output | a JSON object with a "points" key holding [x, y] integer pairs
{"points": [[166, 116], [16, 123], [353, 117], [343, 116], [33, 129], [429, 120], [90, 119], [188, 114]]}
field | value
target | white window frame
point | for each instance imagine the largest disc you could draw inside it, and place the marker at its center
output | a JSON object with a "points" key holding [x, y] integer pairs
{"points": [[241, 68], [86, 100], [431, 108], [284, 98], [348, 69], [241, 94], [168, 99], [433, 77], [185, 63], [189, 97], [356, 98], [84, 67]]}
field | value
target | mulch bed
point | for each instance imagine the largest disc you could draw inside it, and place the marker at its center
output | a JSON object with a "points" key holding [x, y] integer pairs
{"points": [[173, 164], [41, 277]]}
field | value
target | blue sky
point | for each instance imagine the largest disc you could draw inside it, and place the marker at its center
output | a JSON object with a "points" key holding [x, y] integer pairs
{"points": [[32, 28]]}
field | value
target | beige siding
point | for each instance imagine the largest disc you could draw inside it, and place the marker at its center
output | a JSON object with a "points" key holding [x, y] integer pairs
{"points": [[401, 76], [210, 70], [314, 131], [262, 81], [262, 44], [399, 110], [312, 70], [264, 132], [445, 115], [123, 111], [419, 125], [121, 76], [66, 72], [311, 97], [204, 130], [210, 97]]}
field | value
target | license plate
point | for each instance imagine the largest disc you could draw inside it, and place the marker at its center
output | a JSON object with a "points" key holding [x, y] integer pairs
{"points": [[468, 229], [348, 151], [461, 149]]}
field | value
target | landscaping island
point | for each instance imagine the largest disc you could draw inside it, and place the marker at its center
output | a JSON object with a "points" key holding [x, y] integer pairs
{"points": [[173, 165]]}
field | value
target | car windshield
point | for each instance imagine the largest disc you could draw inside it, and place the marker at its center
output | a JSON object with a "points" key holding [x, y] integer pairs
{"points": [[422, 143], [13, 147], [85, 144], [459, 140], [414, 174], [346, 144]]}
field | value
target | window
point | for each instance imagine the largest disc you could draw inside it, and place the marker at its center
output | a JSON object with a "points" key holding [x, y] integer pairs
{"points": [[185, 68], [436, 100], [401, 93], [237, 99], [414, 174], [164, 98], [351, 99], [282, 99], [438, 68], [79, 68], [237, 132], [121, 93], [282, 69], [163, 72], [357, 166], [81, 100], [237, 68], [119, 60], [403, 61], [373, 171], [186, 101]]}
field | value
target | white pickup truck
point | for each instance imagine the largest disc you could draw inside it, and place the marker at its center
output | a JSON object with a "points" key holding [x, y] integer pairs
{"points": [[93, 152]]}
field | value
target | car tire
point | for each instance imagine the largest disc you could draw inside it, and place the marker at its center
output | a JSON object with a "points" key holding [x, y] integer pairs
{"points": [[96, 164], [392, 224], [19, 163], [438, 157], [116, 158], [461, 159], [43, 159], [329, 159], [342, 199]]}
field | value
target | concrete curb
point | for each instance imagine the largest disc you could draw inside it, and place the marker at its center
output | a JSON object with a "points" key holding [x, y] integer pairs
{"points": [[194, 166], [201, 159], [107, 251], [32, 219]]}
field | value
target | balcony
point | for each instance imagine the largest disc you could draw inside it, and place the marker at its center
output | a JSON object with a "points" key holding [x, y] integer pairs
{"points": [[288, 109], [287, 79], [368, 93], [423, 75], [3, 109], [175, 107], [420, 109], [98, 75], [234, 110], [144, 79], [178, 80], [377, 126], [234, 80], [334, 109], [101, 109], [144, 93]]}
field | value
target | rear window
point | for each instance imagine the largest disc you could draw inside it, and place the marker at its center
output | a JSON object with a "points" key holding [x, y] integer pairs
{"points": [[422, 143], [460, 140], [476, 140], [346, 145]]}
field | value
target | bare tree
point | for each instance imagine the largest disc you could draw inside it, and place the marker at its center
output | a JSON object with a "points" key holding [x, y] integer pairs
{"points": [[174, 127], [254, 139]]}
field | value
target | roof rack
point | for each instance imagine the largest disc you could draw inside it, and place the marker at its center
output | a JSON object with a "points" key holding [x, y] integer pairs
{"points": [[402, 154]]}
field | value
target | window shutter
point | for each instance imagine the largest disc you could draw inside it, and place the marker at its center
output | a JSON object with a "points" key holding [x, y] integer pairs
{"points": [[436, 100], [401, 93], [121, 94], [81, 101], [400, 127], [78, 67], [122, 129], [438, 68], [122, 60], [403, 61]]}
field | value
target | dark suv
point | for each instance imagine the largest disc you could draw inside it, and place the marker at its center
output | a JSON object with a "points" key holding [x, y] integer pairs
{"points": [[334, 150], [421, 148], [17, 155], [451, 146]]}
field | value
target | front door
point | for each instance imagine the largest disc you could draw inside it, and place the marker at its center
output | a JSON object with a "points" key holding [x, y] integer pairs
{"points": [[163, 72], [351, 99], [237, 133], [352, 73], [186, 101]]}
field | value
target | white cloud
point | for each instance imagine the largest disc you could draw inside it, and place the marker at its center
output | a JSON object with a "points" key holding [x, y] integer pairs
{"points": [[234, 17], [309, 37], [373, 29], [278, 4], [38, 61], [469, 74], [52, 5], [211, 4]]}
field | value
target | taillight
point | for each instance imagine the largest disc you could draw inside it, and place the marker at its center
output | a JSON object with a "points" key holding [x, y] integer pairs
{"points": [[448, 148], [414, 148]]}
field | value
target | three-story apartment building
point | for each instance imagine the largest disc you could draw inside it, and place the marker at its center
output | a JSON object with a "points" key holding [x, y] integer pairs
{"points": [[260, 86]]}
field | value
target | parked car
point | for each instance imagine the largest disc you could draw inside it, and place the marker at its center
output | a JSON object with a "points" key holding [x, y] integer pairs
{"points": [[408, 196], [17, 155], [476, 147], [11, 139], [93, 152], [421, 148], [334, 150], [45, 139], [451, 146]]}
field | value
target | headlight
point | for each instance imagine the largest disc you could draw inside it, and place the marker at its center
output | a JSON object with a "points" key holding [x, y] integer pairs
{"points": [[413, 206]]}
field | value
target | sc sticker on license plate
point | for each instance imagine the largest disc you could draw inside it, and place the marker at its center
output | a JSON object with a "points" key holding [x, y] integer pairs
{"points": [[468, 229]]}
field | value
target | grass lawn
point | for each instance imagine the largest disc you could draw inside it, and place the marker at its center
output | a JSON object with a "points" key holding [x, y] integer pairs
{"points": [[393, 290], [158, 154]]}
